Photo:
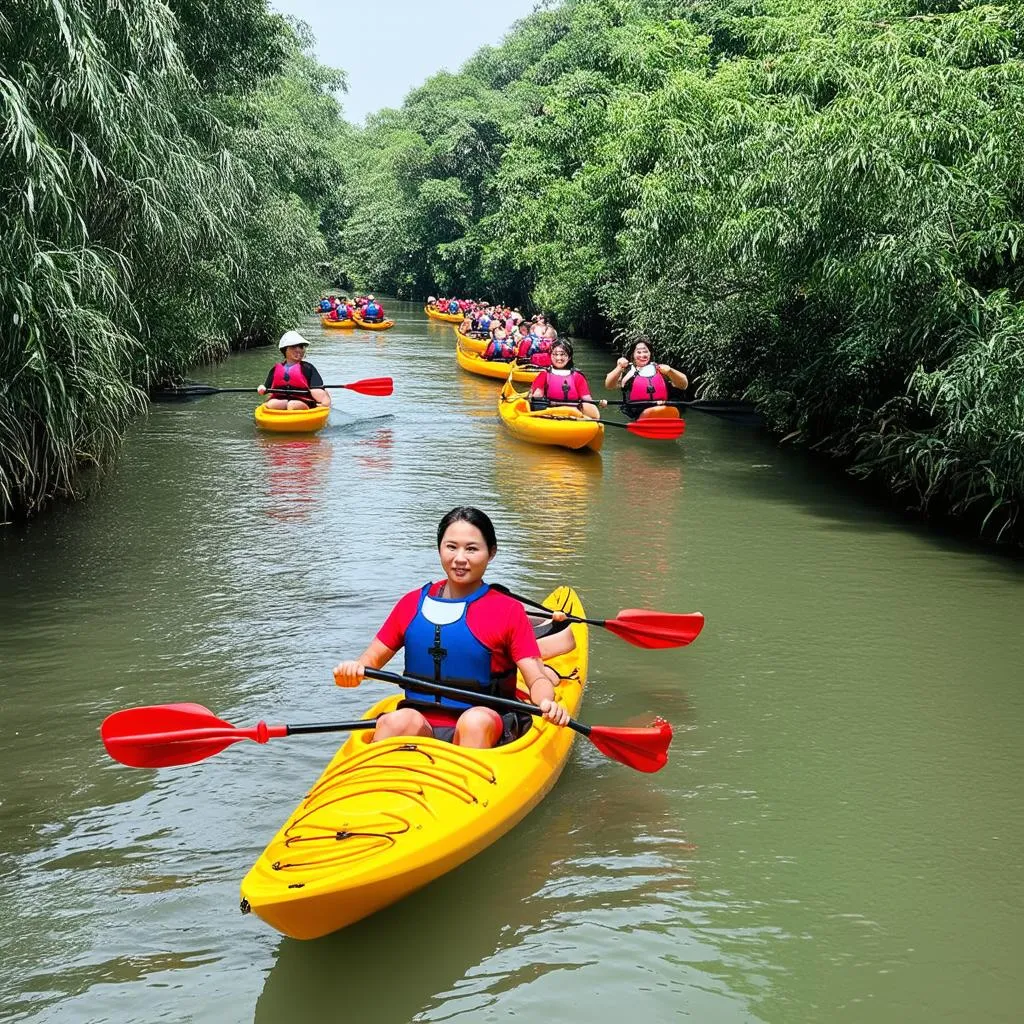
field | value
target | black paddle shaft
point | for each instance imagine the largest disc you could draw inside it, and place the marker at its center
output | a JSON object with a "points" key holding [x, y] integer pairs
{"points": [[363, 723], [486, 700]]}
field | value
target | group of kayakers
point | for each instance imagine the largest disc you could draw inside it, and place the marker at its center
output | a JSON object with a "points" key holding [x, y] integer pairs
{"points": [[362, 307], [645, 383], [459, 631]]}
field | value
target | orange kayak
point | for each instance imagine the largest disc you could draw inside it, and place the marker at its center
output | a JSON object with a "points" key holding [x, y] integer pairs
{"points": [[337, 325], [447, 318]]}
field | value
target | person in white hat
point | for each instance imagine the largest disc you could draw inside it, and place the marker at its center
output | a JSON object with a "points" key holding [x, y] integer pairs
{"points": [[294, 383]]}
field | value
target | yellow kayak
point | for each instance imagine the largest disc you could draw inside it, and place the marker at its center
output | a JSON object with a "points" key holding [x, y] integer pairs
{"points": [[448, 318], [496, 368], [475, 345], [384, 819], [337, 325], [380, 325], [560, 425], [292, 421]]}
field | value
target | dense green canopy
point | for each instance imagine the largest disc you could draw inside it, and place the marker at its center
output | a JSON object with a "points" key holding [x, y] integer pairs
{"points": [[815, 203], [164, 167]]}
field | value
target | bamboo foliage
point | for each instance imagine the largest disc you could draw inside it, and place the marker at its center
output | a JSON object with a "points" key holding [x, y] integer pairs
{"points": [[814, 204], [127, 216]]}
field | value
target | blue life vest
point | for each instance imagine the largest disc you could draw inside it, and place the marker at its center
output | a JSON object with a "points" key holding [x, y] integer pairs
{"points": [[440, 648], [453, 306], [325, 306], [372, 311]]}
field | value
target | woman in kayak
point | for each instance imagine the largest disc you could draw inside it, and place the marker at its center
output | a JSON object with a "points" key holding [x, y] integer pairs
{"points": [[461, 632], [561, 384], [644, 383], [288, 379]]}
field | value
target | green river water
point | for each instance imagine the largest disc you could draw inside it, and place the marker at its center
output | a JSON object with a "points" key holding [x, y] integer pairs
{"points": [[838, 834]]}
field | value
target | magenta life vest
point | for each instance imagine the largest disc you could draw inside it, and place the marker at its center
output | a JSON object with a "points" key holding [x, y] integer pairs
{"points": [[570, 387], [645, 389], [290, 377]]}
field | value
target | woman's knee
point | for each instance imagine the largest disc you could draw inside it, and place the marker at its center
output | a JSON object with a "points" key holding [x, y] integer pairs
{"points": [[478, 727], [403, 722]]}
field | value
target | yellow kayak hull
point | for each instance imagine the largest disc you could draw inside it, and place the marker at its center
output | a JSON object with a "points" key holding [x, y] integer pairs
{"points": [[384, 819], [291, 421], [564, 426], [337, 325], [383, 325], [496, 369], [475, 345], [447, 318]]}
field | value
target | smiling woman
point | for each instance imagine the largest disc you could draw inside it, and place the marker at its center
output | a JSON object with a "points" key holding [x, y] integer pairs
{"points": [[461, 632]]}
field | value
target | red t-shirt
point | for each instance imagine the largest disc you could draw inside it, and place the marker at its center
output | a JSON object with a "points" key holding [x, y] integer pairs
{"points": [[496, 620]]}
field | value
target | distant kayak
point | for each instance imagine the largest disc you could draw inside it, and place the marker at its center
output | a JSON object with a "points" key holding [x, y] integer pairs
{"points": [[496, 369], [337, 325], [448, 318], [374, 325], [291, 421]]}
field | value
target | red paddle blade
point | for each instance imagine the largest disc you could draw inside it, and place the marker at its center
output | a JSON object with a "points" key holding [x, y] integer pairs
{"points": [[170, 734], [658, 429], [646, 750], [656, 629], [372, 386]]}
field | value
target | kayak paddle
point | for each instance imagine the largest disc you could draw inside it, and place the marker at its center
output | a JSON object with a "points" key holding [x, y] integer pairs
{"points": [[378, 386], [173, 734], [645, 749], [742, 412], [638, 626], [664, 430]]}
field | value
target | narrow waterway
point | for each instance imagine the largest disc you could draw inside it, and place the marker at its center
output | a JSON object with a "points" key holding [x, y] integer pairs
{"points": [[838, 834]]}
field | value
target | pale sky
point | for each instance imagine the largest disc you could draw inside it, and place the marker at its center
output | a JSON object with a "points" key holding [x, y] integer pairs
{"points": [[391, 46]]}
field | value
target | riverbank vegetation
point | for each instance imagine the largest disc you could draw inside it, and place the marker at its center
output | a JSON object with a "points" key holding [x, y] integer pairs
{"points": [[165, 170], [818, 204]]}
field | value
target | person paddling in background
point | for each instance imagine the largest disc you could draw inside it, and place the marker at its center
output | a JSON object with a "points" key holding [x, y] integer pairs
{"points": [[642, 380], [373, 313], [462, 633], [501, 346], [294, 375], [562, 384]]}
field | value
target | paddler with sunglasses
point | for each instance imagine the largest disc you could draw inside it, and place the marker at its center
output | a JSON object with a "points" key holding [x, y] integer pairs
{"points": [[294, 383]]}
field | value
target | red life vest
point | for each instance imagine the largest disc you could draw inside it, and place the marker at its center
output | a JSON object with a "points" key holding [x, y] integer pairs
{"points": [[291, 377], [644, 389], [536, 350], [558, 387], [500, 348]]}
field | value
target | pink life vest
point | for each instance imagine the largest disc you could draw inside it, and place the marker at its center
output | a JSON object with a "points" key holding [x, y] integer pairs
{"points": [[291, 377], [558, 387], [645, 389]]}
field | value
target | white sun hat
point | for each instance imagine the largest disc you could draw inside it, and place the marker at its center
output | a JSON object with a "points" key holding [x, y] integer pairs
{"points": [[290, 338]]}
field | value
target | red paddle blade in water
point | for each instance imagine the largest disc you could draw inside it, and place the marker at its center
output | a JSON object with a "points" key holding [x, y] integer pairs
{"points": [[173, 734], [645, 749], [372, 386], [657, 428], [654, 630]]}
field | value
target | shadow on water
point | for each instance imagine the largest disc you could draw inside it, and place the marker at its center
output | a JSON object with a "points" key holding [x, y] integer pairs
{"points": [[758, 467], [387, 967]]}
